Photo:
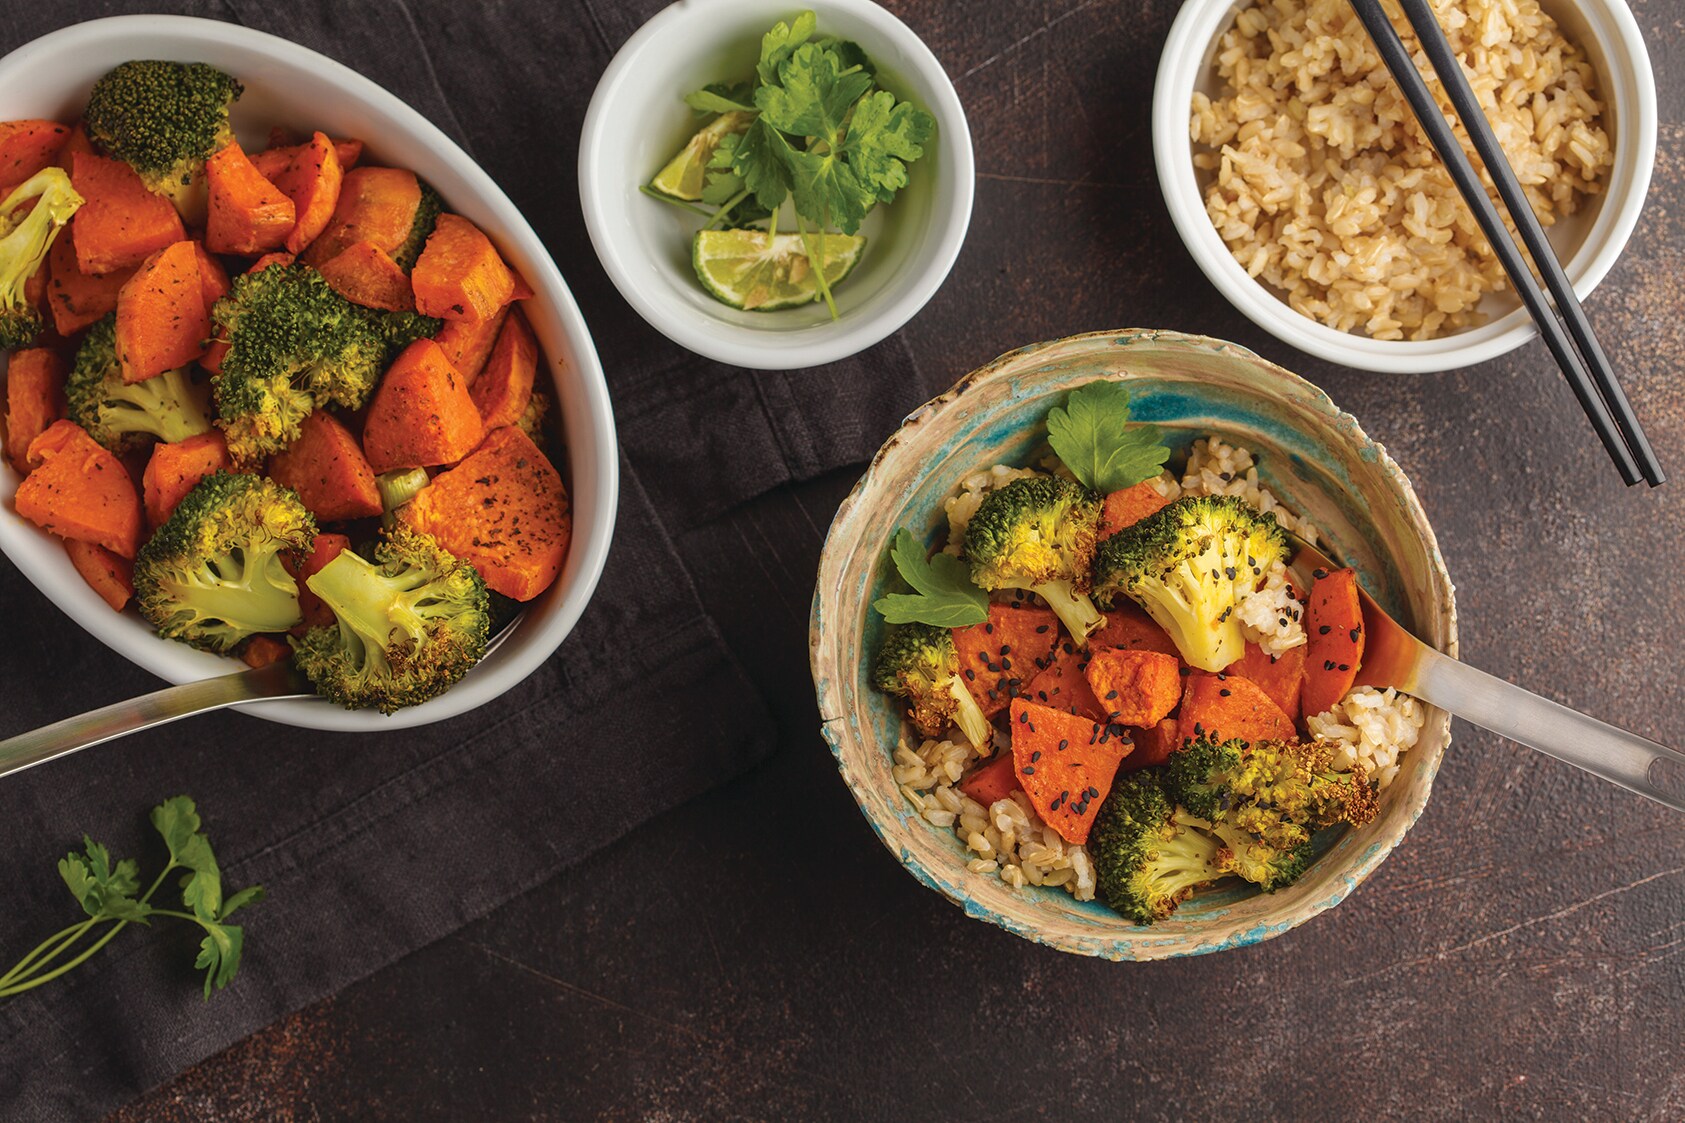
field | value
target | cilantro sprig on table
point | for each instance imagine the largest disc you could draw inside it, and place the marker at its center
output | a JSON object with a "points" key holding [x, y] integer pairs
{"points": [[107, 893], [822, 136], [1092, 435]]}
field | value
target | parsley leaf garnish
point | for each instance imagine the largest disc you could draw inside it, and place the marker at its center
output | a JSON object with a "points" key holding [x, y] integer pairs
{"points": [[108, 892], [1091, 433], [943, 594]]}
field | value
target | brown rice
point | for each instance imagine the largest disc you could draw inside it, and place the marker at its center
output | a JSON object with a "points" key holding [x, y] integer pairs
{"points": [[1326, 188]]}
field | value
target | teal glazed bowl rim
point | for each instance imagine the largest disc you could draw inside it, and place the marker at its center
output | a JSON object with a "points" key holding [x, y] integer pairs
{"points": [[1316, 458]]}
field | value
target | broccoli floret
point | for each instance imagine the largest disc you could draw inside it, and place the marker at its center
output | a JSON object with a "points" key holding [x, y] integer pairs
{"points": [[212, 574], [1280, 791], [122, 415], [1039, 534], [919, 662], [426, 214], [294, 345], [1188, 565], [1247, 856], [30, 218], [1149, 856], [410, 624], [163, 119]]}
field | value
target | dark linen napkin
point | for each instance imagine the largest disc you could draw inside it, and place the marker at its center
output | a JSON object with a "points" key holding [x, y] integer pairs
{"points": [[371, 847]]}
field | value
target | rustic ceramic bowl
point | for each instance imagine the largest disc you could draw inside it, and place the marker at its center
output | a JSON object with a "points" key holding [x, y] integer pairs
{"points": [[1315, 458]]}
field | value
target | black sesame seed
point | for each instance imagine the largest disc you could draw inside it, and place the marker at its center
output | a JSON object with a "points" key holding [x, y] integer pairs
{"points": [[1006, 664], [1230, 572], [1110, 694], [1094, 793], [970, 675], [1041, 629], [1006, 649], [1324, 630], [1063, 745], [988, 629], [1328, 664], [1224, 692], [1029, 770], [1345, 666], [1221, 677], [1035, 756], [1319, 574], [1355, 633]]}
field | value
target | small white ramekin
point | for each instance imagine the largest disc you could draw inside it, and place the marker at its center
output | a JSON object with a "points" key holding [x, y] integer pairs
{"points": [[291, 85], [638, 119], [1588, 244]]}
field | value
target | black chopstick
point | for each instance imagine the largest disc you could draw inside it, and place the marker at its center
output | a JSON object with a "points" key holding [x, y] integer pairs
{"points": [[1590, 390], [1457, 88]]}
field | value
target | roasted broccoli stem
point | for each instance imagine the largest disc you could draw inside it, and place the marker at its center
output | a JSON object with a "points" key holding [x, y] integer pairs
{"points": [[294, 345], [30, 218], [1149, 856], [123, 415], [212, 574], [919, 663], [426, 214], [1039, 534], [1189, 565], [163, 119], [408, 624]]}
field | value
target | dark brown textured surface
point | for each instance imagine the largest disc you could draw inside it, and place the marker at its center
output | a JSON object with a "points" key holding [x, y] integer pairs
{"points": [[758, 955]]}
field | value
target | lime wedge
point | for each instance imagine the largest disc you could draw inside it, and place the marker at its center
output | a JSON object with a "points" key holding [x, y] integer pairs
{"points": [[752, 270], [685, 173]]}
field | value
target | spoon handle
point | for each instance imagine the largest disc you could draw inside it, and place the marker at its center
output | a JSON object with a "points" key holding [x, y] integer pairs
{"points": [[161, 706], [1635, 763]]}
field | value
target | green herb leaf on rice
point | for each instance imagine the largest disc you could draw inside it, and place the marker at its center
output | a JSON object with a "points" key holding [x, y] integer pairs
{"points": [[943, 594], [1092, 435]]}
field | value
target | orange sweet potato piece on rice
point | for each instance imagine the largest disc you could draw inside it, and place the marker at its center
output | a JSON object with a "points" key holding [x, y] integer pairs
{"points": [[468, 343], [162, 320], [1128, 625], [375, 205], [120, 223], [1334, 627], [323, 549], [112, 577], [504, 509], [1153, 745], [328, 470], [460, 275], [1128, 506], [365, 274], [992, 782], [80, 491], [272, 162], [503, 387], [174, 469], [34, 400], [1000, 655], [1225, 706], [1064, 686], [1065, 764], [77, 299], [1282, 676], [262, 650], [1135, 687], [248, 214], [26, 147], [312, 180], [422, 414]]}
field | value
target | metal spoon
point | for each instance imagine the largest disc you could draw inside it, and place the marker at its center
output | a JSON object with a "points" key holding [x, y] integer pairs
{"points": [[263, 684], [1393, 657]]}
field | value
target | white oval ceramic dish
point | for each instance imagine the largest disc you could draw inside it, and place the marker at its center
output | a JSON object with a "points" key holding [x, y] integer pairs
{"points": [[1587, 243], [1317, 460], [290, 85], [637, 120]]}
